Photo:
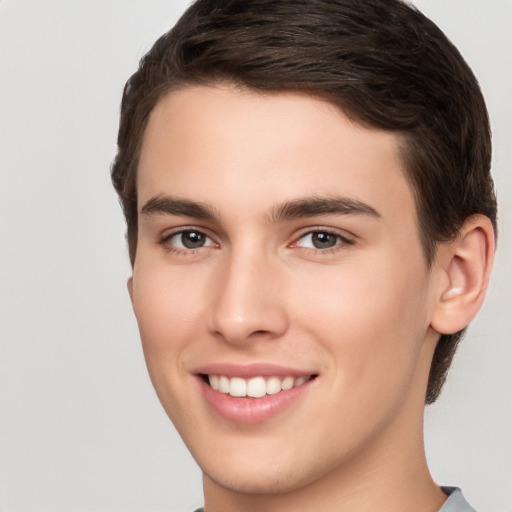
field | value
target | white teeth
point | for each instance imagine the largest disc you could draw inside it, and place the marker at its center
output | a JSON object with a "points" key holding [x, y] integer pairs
{"points": [[255, 387], [273, 386], [214, 381], [224, 384], [237, 387], [300, 381], [287, 383]]}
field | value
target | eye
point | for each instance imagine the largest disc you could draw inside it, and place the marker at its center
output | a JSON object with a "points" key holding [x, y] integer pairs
{"points": [[189, 239], [321, 240]]}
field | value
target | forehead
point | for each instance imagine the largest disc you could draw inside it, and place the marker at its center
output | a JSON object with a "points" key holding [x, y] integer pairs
{"points": [[230, 146]]}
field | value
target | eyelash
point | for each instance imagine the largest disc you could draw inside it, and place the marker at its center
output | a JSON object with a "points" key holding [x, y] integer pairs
{"points": [[341, 241], [165, 241]]}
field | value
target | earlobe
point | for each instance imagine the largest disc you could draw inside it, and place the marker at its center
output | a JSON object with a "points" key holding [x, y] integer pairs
{"points": [[465, 265], [129, 285]]}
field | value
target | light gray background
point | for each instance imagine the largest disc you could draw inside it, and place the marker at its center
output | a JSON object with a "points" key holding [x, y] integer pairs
{"points": [[80, 426]]}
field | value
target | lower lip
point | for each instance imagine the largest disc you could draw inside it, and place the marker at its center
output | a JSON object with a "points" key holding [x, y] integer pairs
{"points": [[251, 410]]}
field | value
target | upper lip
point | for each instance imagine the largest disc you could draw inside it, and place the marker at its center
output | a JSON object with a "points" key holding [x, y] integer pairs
{"points": [[251, 370]]}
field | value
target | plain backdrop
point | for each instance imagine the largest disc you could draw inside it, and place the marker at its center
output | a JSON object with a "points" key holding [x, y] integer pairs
{"points": [[80, 426]]}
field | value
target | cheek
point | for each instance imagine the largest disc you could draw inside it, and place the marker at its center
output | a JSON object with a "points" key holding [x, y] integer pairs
{"points": [[168, 309], [371, 321], [166, 306]]}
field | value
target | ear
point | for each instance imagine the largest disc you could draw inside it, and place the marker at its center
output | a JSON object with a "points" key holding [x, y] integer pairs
{"points": [[463, 268], [129, 285]]}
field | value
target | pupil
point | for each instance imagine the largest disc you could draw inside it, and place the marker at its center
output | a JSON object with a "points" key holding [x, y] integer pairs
{"points": [[324, 240], [192, 239]]}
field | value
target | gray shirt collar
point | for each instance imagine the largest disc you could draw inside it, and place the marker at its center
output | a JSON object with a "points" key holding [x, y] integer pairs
{"points": [[456, 501]]}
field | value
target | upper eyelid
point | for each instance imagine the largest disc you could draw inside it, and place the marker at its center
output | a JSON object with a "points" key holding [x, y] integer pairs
{"points": [[170, 232], [343, 239], [343, 233], [164, 241], [167, 235]]}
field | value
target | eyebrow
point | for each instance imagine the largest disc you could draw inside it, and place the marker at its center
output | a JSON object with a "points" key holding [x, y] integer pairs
{"points": [[175, 206], [316, 206], [296, 208]]}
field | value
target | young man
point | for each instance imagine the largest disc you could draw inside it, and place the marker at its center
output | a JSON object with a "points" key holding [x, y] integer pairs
{"points": [[311, 224]]}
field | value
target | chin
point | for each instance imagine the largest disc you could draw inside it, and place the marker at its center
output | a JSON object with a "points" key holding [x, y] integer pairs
{"points": [[259, 481]]}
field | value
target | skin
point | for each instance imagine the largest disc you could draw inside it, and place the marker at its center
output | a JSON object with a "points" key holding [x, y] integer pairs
{"points": [[358, 315]]}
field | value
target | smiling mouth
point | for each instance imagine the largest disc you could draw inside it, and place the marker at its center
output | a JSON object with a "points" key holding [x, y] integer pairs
{"points": [[255, 387]]}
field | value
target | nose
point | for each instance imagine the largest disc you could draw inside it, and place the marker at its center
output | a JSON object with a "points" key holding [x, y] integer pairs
{"points": [[247, 300]]}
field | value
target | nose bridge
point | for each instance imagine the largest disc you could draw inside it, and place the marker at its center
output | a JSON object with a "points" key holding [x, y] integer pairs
{"points": [[247, 300]]}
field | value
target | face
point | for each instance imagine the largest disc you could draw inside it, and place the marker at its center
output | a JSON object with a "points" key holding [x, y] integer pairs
{"points": [[280, 287]]}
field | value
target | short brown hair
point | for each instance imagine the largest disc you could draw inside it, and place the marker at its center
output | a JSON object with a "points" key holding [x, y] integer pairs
{"points": [[382, 62]]}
